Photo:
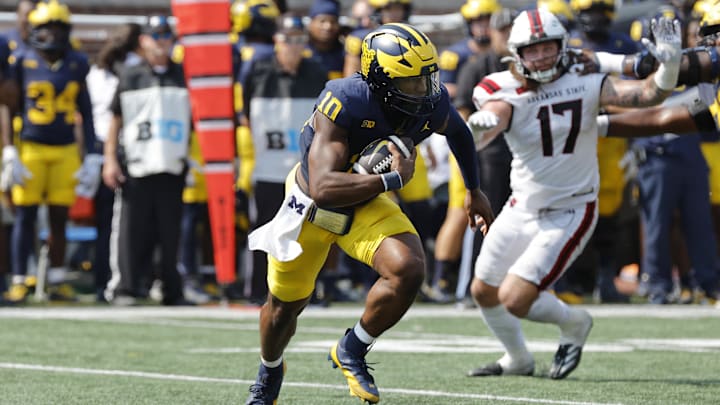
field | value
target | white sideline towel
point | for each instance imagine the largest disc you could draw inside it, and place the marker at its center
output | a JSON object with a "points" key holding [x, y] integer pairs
{"points": [[279, 236]]}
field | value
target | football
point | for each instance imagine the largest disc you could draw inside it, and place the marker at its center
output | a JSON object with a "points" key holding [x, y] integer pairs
{"points": [[376, 157]]}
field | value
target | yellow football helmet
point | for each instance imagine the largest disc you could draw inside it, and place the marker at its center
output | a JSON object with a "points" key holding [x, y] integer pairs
{"points": [[561, 9], [400, 65], [384, 3], [44, 15], [608, 6], [49, 12], [381, 4], [594, 16], [473, 9], [254, 17], [710, 23], [699, 9]]}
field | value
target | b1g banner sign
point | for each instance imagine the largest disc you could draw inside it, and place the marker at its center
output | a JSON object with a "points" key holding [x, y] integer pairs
{"points": [[203, 26], [275, 124]]}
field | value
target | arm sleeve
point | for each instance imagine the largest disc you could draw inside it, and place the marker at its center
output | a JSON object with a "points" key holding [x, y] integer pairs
{"points": [[693, 72], [704, 121], [461, 144]]}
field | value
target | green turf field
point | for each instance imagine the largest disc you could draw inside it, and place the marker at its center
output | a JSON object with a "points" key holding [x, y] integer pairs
{"points": [[153, 355]]}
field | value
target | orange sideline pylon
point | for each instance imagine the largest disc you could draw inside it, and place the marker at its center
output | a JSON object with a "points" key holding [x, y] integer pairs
{"points": [[203, 27]]}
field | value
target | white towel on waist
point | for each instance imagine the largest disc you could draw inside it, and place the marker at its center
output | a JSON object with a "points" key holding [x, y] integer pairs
{"points": [[279, 236]]}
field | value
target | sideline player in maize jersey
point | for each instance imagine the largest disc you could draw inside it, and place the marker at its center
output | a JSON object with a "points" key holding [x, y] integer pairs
{"points": [[548, 115], [476, 14], [682, 119], [397, 92], [597, 266], [700, 64], [49, 78], [384, 12], [254, 21]]}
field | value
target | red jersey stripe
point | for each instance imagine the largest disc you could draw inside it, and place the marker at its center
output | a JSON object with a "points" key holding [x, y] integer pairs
{"points": [[489, 86], [569, 247]]}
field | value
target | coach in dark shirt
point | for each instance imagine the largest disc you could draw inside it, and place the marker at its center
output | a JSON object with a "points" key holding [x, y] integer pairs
{"points": [[279, 96]]}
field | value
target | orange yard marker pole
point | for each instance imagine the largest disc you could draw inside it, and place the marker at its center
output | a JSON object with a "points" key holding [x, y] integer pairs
{"points": [[203, 26]]}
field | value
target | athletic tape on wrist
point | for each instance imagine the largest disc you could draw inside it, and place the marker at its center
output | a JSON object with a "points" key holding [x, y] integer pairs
{"points": [[392, 180], [610, 63], [603, 122], [666, 76]]}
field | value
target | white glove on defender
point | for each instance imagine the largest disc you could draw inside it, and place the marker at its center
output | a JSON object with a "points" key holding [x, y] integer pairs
{"points": [[667, 49], [13, 171], [479, 122], [89, 176]]}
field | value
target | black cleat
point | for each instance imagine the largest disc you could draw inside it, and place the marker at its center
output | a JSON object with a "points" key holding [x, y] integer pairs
{"points": [[266, 389], [567, 356], [355, 370], [565, 361]]}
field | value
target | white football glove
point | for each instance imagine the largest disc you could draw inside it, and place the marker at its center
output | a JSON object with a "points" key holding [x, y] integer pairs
{"points": [[668, 40], [89, 176], [481, 121], [667, 49], [13, 171]]}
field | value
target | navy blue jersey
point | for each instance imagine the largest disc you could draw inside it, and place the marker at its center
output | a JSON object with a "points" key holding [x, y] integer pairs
{"points": [[332, 60], [51, 95], [15, 40], [350, 105], [248, 54], [685, 146], [617, 42], [452, 59], [353, 41]]}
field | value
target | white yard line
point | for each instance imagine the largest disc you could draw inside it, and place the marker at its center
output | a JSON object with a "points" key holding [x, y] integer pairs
{"points": [[190, 378], [353, 312]]}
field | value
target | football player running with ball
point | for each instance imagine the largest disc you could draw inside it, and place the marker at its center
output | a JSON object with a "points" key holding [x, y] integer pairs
{"points": [[548, 115], [397, 93]]}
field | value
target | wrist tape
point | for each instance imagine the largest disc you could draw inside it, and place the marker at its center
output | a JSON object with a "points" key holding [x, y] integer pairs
{"points": [[392, 180]]}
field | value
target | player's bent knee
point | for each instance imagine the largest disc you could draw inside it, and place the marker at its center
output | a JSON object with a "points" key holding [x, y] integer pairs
{"points": [[283, 311], [411, 275], [484, 294], [516, 304], [401, 261]]}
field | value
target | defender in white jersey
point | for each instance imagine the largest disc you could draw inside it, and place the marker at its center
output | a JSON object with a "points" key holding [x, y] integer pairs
{"points": [[548, 115]]}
